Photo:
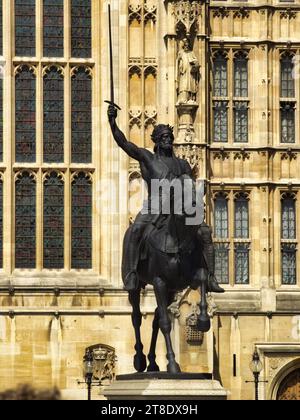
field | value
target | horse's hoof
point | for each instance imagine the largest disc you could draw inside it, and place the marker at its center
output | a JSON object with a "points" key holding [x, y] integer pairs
{"points": [[173, 368], [153, 367], [140, 362], [203, 324]]}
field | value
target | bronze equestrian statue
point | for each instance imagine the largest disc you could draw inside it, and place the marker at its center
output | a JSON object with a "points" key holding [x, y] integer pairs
{"points": [[162, 250]]}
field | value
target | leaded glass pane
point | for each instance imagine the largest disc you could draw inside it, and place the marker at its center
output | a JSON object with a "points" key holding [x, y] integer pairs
{"points": [[242, 264], [82, 116], [25, 236], [220, 121], [222, 263], [53, 222], [1, 224], [241, 122], [287, 123], [220, 75], [287, 77], [240, 77], [53, 116], [289, 264], [1, 115], [25, 115], [288, 219], [221, 218], [25, 27], [81, 222], [53, 28], [241, 218], [81, 28]]}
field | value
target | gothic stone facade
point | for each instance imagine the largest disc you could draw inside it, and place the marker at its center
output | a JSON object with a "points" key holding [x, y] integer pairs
{"points": [[64, 184]]}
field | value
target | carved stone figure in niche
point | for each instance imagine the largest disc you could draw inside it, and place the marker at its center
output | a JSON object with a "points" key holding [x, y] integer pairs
{"points": [[187, 74]]}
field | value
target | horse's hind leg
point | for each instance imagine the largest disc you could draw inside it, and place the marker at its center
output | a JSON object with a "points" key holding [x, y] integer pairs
{"points": [[139, 360], [162, 299]]}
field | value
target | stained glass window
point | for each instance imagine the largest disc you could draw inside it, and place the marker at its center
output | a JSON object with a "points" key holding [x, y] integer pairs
{"points": [[241, 217], [25, 236], [288, 218], [220, 121], [220, 75], [53, 222], [1, 114], [240, 122], [287, 77], [221, 217], [289, 264], [25, 115], [81, 222], [81, 115], [240, 75], [1, 223], [53, 28], [25, 27], [287, 122], [222, 263], [81, 28], [53, 115], [242, 264]]}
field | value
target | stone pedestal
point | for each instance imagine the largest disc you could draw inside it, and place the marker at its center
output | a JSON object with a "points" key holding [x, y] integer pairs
{"points": [[164, 386]]}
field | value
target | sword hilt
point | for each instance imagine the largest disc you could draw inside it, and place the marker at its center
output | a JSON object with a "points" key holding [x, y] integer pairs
{"points": [[113, 104]]}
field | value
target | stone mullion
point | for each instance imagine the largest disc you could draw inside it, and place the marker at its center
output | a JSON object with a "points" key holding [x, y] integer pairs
{"points": [[297, 194], [231, 239], [67, 29], [39, 29], [143, 76], [230, 98], [39, 162], [106, 151], [271, 237], [8, 138], [39, 221], [297, 91], [67, 220], [96, 149], [67, 159]]}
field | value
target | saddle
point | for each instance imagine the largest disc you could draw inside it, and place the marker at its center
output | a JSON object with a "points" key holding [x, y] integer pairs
{"points": [[158, 236]]}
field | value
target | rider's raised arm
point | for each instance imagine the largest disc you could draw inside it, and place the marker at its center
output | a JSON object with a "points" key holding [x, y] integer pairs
{"points": [[131, 149]]}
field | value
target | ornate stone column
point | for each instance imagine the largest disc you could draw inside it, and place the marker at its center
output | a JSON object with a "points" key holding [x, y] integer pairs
{"points": [[186, 44]]}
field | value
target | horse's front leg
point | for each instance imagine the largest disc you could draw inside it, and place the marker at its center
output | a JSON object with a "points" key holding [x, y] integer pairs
{"points": [[139, 360], [153, 366], [162, 298], [203, 322]]}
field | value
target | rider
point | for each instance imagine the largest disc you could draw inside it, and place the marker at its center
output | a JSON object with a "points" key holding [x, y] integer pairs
{"points": [[162, 164]]}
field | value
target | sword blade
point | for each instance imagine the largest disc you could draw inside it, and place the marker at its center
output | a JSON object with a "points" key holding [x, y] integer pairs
{"points": [[111, 63], [112, 93]]}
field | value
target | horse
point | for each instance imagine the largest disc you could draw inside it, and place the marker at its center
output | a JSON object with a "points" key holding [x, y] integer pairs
{"points": [[171, 260]]}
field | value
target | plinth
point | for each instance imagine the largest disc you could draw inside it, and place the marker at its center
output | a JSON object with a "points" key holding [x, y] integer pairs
{"points": [[165, 386]]}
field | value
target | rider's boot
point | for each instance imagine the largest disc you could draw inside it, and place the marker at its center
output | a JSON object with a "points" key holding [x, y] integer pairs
{"points": [[131, 282], [213, 285], [131, 258]]}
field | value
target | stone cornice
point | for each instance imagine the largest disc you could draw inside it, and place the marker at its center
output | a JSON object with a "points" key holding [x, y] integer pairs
{"points": [[247, 6]]}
